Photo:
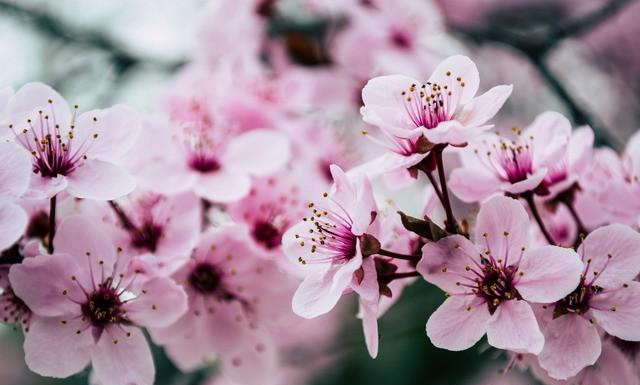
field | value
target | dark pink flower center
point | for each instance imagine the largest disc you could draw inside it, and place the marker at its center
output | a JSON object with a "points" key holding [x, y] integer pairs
{"points": [[401, 39], [329, 235], [578, 301], [267, 234], [495, 285], [147, 236], [103, 306], [52, 146], [429, 104], [510, 161], [205, 279]]}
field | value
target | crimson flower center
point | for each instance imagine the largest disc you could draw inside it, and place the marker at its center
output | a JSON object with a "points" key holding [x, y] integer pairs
{"points": [[103, 306], [205, 279]]}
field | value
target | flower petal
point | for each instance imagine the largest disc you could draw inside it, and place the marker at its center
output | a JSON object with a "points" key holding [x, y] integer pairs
{"points": [[617, 311], [458, 323], [614, 251], [55, 349], [122, 356], [549, 273], [453, 132], [369, 314], [223, 186], [161, 303], [485, 106], [384, 103], [320, 292], [100, 180], [473, 184], [258, 152], [44, 284], [444, 263], [13, 222], [514, 327], [87, 242], [458, 67], [572, 344], [503, 227], [15, 170], [36, 96]]}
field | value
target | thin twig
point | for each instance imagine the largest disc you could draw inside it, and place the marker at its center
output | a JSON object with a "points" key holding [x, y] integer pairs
{"points": [[52, 223]]}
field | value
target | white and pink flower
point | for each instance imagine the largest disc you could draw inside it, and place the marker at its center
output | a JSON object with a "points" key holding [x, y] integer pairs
{"points": [[492, 282]]}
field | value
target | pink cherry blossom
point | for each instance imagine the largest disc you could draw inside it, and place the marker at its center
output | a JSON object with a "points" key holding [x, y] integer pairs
{"points": [[76, 153], [326, 246], [15, 172], [166, 226], [206, 157], [607, 296], [491, 282], [229, 290], [272, 206], [382, 37], [563, 174], [494, 163], [443, 110], [621, 175], [87, 302]]}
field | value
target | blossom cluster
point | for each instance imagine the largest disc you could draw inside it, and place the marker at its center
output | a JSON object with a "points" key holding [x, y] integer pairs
{"points": [[228, 225]]}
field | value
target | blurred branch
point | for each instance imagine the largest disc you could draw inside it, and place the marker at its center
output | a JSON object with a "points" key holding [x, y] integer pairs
{"points": [[53, 27], [537, 47]]}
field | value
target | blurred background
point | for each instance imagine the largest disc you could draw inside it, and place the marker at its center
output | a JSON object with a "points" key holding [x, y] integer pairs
{"points": [[578, 57]]}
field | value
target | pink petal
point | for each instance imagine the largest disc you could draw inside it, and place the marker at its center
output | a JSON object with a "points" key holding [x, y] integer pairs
{"points": [[44, 188], [572, 343], [369, 315], [473, 184], [385, 164], [13, 222], [253, 361], [622, 244], [122, 356], [15, 170], [33, 97], [258, 152], [612, 368], [444, 262], [320, 292], [453, 132], [44, 284], [160, 303], [462, 67], [528, 184], [164, 177], [116, 129], [54, 349], [223, 186], [551, 132], [458, 323], [580, 148], [87, 242], [549, 273], [96, 179], [484, 107], [367, 286], [502, 226], [514, 327], [617, 311], [383, 102]]}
